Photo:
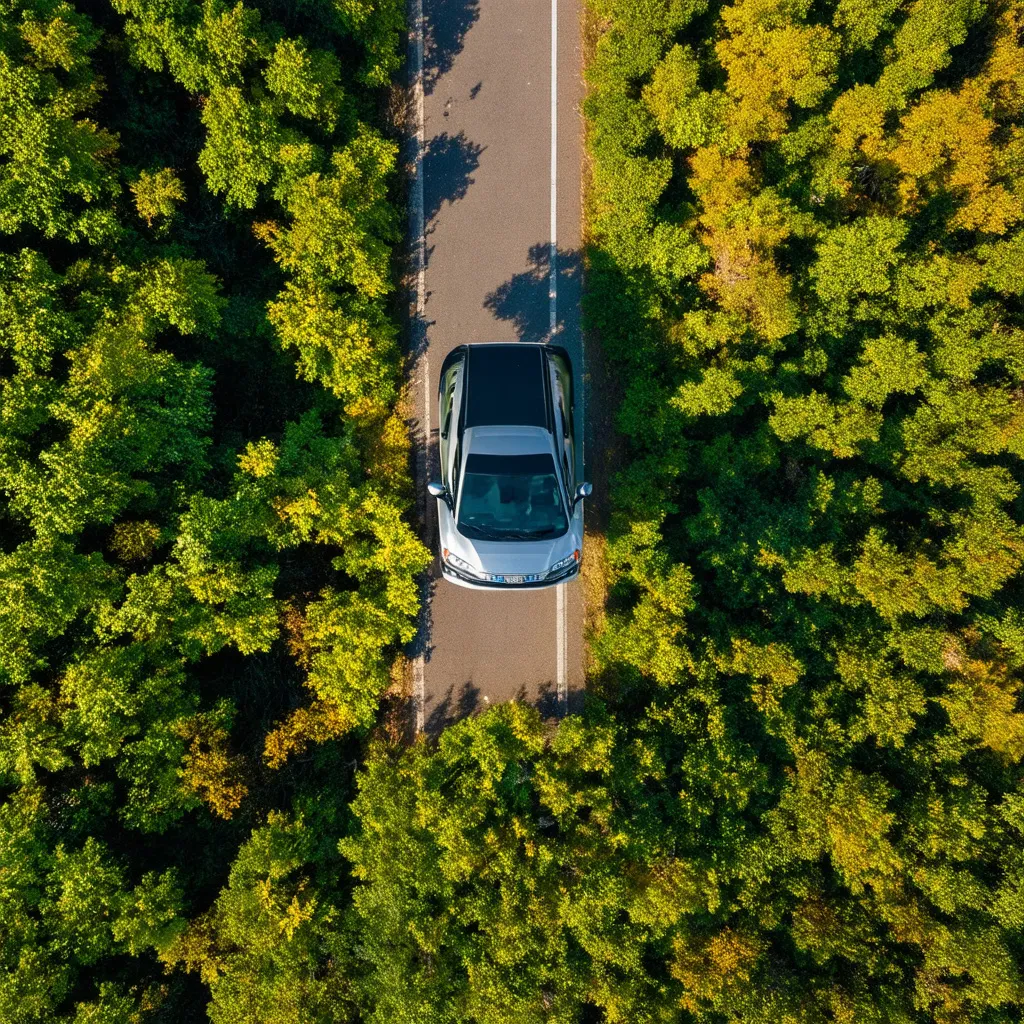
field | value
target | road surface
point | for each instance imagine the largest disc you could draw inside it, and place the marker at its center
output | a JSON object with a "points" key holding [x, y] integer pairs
{"points": [[495, 204]]}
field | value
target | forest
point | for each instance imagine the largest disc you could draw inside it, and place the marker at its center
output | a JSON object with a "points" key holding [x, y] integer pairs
{"points": [[795, 793], [206, 567]]}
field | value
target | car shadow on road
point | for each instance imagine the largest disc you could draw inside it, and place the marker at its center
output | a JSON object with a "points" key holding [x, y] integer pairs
{"points": [[446, 23], [524, 298]]}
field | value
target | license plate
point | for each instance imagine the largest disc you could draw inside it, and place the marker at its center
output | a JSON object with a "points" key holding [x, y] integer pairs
{"points": [[515, 579]]}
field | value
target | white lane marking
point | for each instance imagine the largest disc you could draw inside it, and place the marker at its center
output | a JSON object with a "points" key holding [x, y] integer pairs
{"points": [[416, 212], [560, 616], [417, 233], [553, 244], [560, 602]]}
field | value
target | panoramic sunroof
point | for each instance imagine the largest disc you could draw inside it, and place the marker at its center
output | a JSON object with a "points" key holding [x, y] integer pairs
{"points": [[505, 386]]}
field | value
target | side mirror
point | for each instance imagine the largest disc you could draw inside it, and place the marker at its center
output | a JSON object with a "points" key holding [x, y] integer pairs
{"points": [[436, 489], [583, 491]]}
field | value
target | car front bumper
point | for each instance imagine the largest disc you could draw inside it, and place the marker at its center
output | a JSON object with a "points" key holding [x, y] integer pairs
{"points": [[463, 579]]}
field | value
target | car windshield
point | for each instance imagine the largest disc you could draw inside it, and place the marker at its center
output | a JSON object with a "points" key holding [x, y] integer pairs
{"points": [[511, 497]]}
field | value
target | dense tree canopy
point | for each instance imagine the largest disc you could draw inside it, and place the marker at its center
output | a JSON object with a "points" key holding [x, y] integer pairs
{"points": [[795, 793], [805, 264], [204, 564]]}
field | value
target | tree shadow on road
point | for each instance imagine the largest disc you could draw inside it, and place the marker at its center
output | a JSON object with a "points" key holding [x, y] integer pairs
{"points": [[448, 165], [451, 708], [467, 701], [546, 701], [447, 168], [524, 298], [446, 23]]}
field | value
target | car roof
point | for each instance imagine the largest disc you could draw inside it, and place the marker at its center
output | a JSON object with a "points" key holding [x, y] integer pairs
{"points": [[505, 386]]}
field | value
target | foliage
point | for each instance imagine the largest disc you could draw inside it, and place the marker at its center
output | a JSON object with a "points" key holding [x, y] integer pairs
{"points": [[822, 416], [176, 482], [501, 880], [156, 193], [57, 174]]}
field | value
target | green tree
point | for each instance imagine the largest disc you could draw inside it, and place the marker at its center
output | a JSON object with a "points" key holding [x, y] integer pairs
{"points": [[143, 582], [156, 193], [57, 173], [496, 878]]}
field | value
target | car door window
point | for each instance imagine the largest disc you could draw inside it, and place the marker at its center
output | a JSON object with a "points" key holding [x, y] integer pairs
{"points": [[562, 390], [448, 400], [563, 417], [456, 464], [447, 410]]}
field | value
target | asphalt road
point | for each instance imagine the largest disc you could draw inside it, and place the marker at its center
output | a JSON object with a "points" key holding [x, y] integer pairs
{"points": [[496, 179]]}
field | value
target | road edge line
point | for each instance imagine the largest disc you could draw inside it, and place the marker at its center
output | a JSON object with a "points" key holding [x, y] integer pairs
{"points": [[553, 243], [417, 231]]}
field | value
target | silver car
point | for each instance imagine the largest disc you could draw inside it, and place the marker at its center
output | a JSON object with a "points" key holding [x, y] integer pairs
{"points": [[509, 510]]}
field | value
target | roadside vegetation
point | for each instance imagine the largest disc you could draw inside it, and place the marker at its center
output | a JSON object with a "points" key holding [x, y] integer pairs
{"points": [[204, 562], [806, 223]]}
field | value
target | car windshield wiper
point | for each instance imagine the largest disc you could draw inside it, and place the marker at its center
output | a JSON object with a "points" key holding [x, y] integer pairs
{"points": [[483, 532], [531, 534], [506, 533]]}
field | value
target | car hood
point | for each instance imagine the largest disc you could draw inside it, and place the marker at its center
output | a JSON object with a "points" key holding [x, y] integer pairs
{"points": [[508, 557]]}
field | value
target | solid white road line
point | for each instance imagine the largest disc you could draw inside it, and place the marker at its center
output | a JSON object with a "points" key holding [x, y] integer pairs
{"points": [[553, 244], [560, 616], [417, 232], [560, 602], [416, 212]]}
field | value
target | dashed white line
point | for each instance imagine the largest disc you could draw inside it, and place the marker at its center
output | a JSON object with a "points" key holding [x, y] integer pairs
{"points": [[417, 232]]}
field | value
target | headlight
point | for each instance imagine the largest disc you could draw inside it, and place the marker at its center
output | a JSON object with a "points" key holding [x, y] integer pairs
{"points": [[459, 563], [574, 557]]}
